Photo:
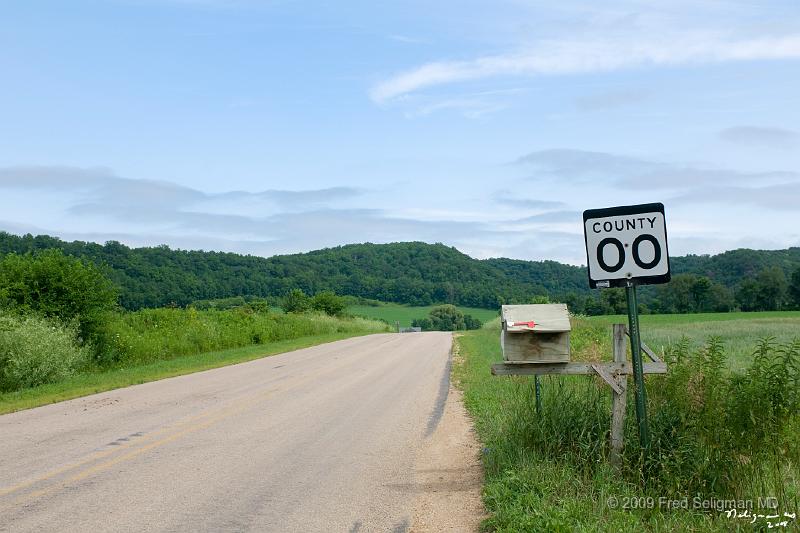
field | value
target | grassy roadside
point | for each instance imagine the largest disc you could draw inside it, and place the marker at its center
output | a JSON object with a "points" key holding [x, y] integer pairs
{"points": [[549, 473], [92, 383]]}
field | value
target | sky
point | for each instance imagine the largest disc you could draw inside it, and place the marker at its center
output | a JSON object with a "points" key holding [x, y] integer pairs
{"points": [[270, 127]]}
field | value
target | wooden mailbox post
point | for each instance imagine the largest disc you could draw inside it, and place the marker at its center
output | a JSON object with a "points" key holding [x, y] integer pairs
{"points": [[615, 374]]}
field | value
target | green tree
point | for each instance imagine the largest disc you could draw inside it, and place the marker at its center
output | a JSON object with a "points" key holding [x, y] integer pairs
{"points": [[614, 301], [54, 285], [328, 303], [747, 295], [771, 288], [720, 299], [424, 323], [447, 318], [470, 322], [296, 302], [794, 289], [593, 306]]}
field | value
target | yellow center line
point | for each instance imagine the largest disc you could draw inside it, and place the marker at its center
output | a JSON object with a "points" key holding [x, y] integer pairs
{"points": [[215, 416], [99, 454], [130, 455]]}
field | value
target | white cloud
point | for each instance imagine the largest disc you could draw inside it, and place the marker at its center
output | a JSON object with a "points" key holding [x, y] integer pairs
{"points": [[560, 57]]}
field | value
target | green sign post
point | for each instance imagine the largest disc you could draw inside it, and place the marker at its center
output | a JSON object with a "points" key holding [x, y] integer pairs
{"points": [[638, 372]]}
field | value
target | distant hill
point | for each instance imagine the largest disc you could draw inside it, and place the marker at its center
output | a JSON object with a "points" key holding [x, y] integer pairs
{"points": [[413, 273]]}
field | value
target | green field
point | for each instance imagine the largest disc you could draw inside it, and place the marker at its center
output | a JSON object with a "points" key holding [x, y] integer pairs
{"points": [[738, 331], [548, 471], [405, 314]]}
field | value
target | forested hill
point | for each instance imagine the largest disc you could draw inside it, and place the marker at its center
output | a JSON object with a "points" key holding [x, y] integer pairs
{"points": [[412, 272]]}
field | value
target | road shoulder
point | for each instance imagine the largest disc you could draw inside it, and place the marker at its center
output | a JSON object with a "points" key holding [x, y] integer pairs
{"points": [[448, 475]]}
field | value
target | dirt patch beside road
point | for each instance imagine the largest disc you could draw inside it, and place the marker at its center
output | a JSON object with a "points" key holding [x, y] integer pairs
{"points": [[448, 474]]}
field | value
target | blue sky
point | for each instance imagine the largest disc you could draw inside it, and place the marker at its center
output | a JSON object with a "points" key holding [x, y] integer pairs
{"points": [[272, 127]]}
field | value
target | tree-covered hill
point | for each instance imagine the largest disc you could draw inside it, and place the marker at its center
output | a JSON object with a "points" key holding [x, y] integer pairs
{"points": [[411, 272]]}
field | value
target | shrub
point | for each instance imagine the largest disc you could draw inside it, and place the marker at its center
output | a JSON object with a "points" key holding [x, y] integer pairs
{"points": [[296, 302], [470, 322], [53, 285], [447, 318], [327, 302], [35, 351]]}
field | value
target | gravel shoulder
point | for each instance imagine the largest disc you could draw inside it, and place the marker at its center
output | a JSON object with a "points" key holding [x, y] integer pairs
{"points": [[448, 474]]}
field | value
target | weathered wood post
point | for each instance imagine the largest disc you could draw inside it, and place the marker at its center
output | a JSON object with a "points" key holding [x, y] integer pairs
{"points": [[619, 399]]}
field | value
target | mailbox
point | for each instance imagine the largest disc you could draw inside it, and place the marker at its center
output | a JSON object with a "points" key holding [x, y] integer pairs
{"points": [[536, 333]]}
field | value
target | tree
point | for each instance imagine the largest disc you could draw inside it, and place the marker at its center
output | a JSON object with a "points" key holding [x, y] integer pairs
{"points": [[690, 293], [54, 285], [720, 299], [747, 295], [794, 289], [328, 303], [470, 322], [771, 288], [424, 324], [614, 301], [296, 302], [593, 306], [447, 318]]}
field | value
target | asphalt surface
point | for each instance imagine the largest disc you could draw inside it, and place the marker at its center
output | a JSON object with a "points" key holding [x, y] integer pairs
{"points": [[320, 439]]}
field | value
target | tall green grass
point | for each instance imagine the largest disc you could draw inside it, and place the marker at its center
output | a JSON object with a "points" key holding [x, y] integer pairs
{"points": [[158, 334], [716, 434], [42, 360]]}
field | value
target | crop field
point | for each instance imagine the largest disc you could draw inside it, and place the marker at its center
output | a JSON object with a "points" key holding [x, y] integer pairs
{"points": [[406, 314], [718, 433]]}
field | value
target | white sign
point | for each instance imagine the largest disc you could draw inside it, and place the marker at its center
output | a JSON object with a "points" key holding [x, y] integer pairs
{"points": [[626, 245]]}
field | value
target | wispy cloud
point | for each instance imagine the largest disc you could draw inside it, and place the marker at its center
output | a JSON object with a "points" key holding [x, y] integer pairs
{"points": [[516, 199], [583, 166], [561, 57], [758, 136], [611, 99], [101, 186], [552, 217], [783, 196], [567, 163]]}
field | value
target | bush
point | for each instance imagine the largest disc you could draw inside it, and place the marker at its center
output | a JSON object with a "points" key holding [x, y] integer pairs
{"points": [[53, 285], [327, 302], [470, 322], [35, 351], [296, 302]]}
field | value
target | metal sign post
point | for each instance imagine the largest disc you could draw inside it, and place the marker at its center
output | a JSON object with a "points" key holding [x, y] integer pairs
{"points": [[627, 246], [638, 373]]}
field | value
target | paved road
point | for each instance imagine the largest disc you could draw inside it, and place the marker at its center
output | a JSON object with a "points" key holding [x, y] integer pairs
{"points": [[321, 439]]}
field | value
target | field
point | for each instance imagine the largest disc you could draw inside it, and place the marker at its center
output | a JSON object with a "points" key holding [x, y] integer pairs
{"points": [[715, 436], [404, 314], [737, 331]]}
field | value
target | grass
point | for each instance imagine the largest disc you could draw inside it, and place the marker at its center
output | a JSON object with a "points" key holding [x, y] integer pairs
{"points": [[737, 331], [548, 472], [94, 382], [391, 312]]}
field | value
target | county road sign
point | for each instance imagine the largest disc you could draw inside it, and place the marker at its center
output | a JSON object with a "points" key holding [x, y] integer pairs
{"points": [[626, 244]]}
